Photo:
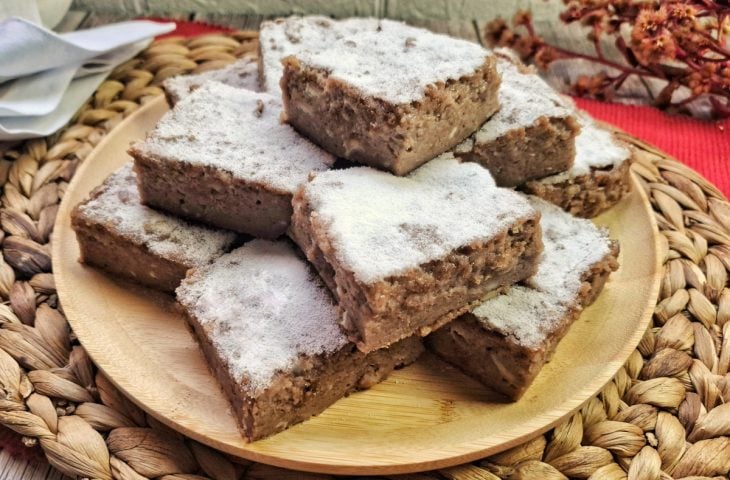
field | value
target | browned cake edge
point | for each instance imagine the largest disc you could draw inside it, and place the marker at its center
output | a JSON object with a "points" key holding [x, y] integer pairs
{"points": [[595, 278], [320, 382], [211, 196], [103, 248], [376, 315], [498, 361], [367, 130], [586, 195], [545, 148]]}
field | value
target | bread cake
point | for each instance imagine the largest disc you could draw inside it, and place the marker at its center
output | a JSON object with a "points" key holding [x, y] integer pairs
{"points": [[222, 157], [120, 235], [392, 97], [404, 255], [597, 181], [274, 342]]}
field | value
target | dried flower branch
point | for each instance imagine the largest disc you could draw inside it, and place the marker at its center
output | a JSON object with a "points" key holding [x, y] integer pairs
{"points": [[683, 42]]}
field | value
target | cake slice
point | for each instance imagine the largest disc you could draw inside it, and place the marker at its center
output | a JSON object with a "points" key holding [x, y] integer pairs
{"points": [[597, 181], [507, 339], [404, 255], [242, 73], [222, 157], [269, 329], [392, 97], [291, 35], [120, 235], [531, 136]]}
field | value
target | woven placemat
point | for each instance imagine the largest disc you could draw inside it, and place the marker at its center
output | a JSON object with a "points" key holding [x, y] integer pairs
{"points": [[663, 416]]}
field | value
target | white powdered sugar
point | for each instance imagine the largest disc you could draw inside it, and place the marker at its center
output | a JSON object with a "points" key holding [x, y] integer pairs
{"points": [[525, 315], [263, 308], [395, 62], [382, 225], [523, 99], [118, 206], [529, 314], [595, 147], [242, 73], [236, 131], [289, 36]]}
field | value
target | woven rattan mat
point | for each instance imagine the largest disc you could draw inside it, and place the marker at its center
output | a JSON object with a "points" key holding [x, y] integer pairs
{"points": [[664, 415]]}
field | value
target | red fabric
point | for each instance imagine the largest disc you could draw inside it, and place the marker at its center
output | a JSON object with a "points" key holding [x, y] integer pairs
{"points": [[189, 29], [13, 443]]}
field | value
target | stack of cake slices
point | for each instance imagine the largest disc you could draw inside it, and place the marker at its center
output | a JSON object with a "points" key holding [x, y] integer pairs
{"points": [[366, 191]]}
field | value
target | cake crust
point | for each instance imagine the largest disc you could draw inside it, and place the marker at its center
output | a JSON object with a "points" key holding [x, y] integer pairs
{"points": [[283, 37]]}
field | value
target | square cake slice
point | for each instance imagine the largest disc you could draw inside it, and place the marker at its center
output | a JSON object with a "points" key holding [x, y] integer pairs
{"points": [[392, 98], [269, 329], [222, 157], [505, 341], [242, 73], [120, 235], [291, 35], [600, 177], [404, 255], [531, 136]]}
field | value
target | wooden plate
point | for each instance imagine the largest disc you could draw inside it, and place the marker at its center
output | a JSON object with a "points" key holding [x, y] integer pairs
{"points": [[423, 417]]}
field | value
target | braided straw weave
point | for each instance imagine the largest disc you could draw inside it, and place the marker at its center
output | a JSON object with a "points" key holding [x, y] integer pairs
{"points": [[663, 416]]}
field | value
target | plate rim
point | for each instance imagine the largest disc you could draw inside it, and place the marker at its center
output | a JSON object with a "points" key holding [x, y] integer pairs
{"points": [[362, 468]]}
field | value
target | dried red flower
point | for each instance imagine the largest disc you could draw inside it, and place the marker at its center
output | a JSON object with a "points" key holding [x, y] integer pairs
{"points": [[683, 42]]}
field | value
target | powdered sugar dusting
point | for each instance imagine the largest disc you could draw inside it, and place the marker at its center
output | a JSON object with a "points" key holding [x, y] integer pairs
{"points": [[263, 308], [526, 315], [530, 313], [382, 225], [242, 73], [396, 62], [523, 99], [239, 132], [289, 36], [117, 205], [595, 147]]}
